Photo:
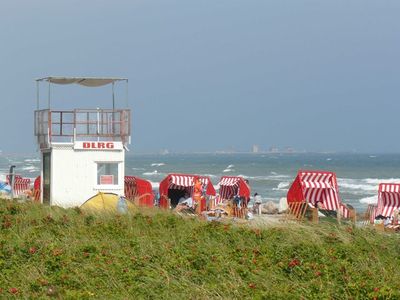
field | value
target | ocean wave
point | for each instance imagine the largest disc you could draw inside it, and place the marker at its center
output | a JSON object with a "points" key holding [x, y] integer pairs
{"points": [[138, 169], [377, 181], [30, 169], [228, 170], [211, 175], [282, 186], [369, 200], [157, 164], [358, 187], [154, 173], [366, 186], [265, 178], [155, 185], [230, 166], [32, 160]]}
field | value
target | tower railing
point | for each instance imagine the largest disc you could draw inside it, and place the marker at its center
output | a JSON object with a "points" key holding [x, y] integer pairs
{"points": [[68, 126]]}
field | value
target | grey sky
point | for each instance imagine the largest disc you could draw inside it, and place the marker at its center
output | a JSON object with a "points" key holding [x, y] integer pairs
{"points": [[214, 74]]}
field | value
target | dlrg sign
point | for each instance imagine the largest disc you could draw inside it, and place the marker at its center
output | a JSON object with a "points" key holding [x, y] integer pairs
{"points": [[98, 145]]}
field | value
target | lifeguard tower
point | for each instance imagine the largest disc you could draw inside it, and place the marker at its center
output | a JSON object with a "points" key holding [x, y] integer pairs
{"points": [[82, 150]]}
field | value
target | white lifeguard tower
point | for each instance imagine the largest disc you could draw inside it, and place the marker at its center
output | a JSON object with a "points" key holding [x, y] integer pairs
{"points": [[82, 150]]}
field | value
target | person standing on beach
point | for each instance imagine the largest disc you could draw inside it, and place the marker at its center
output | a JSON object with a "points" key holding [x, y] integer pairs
{"points": [[257, 204], [197, 194]]}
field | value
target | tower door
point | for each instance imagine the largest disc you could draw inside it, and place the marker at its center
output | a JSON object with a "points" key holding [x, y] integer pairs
{"points": [[46, 177]]}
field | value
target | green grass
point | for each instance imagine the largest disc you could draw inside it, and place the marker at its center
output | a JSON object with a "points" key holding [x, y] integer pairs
{"points": [[53, 252]]}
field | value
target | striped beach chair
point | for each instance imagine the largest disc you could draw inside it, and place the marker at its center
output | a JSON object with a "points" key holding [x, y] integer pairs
{"points": [[315, 188], [21, 185], [232, 186], [139, 191], [184, 182], [388, 199]]}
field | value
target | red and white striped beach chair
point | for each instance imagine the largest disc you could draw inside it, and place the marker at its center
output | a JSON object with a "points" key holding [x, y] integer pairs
{"points": [[231, 186], [388, 199], [314, 187], [21, 185], [139, 191], [183, 182]]}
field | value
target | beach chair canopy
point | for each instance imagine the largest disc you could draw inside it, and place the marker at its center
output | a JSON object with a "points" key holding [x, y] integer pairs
{"points": [[185, 182], [315, 186], [371, 213], [230, 186], [388, 199], [344, 211], [142, 189], [20, 184]]}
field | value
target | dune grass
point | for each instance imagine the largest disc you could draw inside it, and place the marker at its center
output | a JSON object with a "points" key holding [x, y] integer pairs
{"points": [[66, 253]]}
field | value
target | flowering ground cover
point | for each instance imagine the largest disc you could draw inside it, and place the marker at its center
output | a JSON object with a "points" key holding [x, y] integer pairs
{"points": [[67, 253]]}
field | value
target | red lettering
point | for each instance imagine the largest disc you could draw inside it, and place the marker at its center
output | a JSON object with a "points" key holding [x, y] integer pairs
{"points": [[98, 145]]}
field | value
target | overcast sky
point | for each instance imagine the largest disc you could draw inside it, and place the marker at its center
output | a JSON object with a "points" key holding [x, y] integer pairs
{"points": [[211, 75]]}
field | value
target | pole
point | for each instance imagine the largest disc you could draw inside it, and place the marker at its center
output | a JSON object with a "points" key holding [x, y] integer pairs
{"points": [[113, 111], [127, 94], [12, 180], [48, 100], [37, 95], [113, 96]]}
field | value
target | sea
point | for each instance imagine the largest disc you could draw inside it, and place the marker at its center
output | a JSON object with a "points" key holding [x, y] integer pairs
{"points": [[269, 174]]}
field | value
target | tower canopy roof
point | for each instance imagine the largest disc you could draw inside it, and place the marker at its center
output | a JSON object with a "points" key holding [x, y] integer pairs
{"points": [[85, 81]]}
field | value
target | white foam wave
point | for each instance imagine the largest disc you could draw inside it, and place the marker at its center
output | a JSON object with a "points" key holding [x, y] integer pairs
{"points": [[155, 185], [360, 187], [377, 181], [157, 164], [211, 175], [282, 186], [369, 200], [228, 170], [30, 169], [154, 173], [138, 169], [266, 178], [32, 160], [230, 166]]}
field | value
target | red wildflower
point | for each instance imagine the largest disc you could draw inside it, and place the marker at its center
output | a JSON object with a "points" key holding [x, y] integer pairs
{"points": [[6, 224], [32, 250], [318, 273], [376, 289], [293, 263], [257, 232], [13, 291], [252, 285]]}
